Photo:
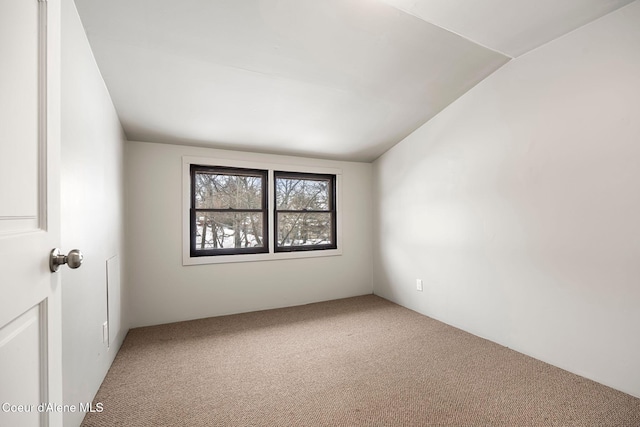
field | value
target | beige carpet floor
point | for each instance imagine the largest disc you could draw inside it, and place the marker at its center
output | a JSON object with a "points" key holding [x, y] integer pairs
{"points": [[360, 361]]}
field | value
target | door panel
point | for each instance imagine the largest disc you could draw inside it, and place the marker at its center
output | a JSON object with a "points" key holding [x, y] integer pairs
{"points": [[20, 357], [30, 342], [19, 47]]}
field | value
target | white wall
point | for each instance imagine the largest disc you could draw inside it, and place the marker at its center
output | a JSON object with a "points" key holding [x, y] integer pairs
{"points": [[92, 214], [519, 206], [163, 290]]}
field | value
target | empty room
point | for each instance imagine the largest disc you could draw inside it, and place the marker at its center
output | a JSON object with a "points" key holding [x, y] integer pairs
{"points": [[320, 213]]}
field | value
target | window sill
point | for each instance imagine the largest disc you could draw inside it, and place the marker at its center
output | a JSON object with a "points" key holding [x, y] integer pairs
{"points": [[225, 259]]}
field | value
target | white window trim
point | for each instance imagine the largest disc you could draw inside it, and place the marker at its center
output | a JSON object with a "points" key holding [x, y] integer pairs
{"points": [[187, 259]]}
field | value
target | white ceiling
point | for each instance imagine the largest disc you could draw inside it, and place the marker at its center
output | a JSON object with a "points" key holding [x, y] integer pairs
{"points": [[344, 79]]}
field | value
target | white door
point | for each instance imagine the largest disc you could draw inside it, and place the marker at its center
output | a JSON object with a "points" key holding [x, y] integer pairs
{"points": [[30, 337]]}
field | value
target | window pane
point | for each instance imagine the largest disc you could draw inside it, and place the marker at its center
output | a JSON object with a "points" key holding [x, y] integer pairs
{"points": [[304, 229], [301, 194], [224, 191], [220, 230]]}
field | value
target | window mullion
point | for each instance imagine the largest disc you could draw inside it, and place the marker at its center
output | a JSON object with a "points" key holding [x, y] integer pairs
{"points": [[271, 202], [303, 211], [227, 210]]}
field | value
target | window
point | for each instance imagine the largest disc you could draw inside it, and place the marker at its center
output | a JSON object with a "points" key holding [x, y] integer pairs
{"points": [[239, 211], [228, 211], [304, 211]]}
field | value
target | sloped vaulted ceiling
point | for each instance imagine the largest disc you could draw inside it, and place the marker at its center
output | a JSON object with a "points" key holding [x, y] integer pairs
{"points": [[343, 79]]}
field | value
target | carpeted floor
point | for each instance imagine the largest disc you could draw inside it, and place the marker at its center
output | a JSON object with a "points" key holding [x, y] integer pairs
{"points": [[360, 361]]}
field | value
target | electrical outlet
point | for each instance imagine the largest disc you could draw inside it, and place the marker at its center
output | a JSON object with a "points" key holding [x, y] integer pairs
{"points": [[105, 332], [419, 284]]}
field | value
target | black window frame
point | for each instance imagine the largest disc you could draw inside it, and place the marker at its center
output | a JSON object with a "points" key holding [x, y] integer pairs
{"points": [[264, 174], [332, 211]]}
